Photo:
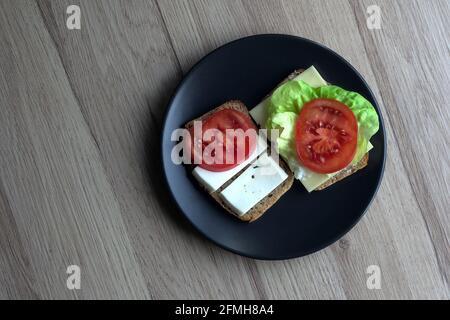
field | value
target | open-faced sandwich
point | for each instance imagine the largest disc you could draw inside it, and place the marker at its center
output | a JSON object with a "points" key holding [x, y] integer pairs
{"points": [[322, 134], [247, 185], [324, 129]]}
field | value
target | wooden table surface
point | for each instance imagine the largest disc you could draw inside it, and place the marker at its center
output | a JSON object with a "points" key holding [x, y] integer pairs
{"points": [[80, 119]]}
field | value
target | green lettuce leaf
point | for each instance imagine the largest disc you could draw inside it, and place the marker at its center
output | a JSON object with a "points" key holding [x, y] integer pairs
{"points": [[291, 96], [288, 99]]}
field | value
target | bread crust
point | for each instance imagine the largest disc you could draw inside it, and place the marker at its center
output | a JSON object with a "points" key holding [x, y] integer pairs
{"points": [[348, 171]]}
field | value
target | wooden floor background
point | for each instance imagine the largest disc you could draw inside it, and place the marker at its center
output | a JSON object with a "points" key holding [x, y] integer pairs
{"points": [[80, 118]]}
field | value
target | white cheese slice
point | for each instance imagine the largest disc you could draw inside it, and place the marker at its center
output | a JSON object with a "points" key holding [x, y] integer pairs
{"points": [[254, 184], [311, 76], [214, 180]]}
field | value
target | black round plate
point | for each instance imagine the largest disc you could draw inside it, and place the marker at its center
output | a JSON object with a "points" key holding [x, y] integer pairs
{"points": [[300, 222]]}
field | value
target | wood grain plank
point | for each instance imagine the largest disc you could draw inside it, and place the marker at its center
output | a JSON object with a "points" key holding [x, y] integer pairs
{"points": [[393, 235], [81, 183], [417, 99], [55, 193], [122, 69], [16, 275]]}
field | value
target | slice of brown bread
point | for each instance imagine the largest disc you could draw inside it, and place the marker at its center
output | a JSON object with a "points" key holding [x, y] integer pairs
{"points": [[348, 171], [344, 172], [262, 206]]}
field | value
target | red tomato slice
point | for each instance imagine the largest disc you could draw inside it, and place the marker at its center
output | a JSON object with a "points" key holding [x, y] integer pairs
{"points": [[326, 135], [241, 149]]}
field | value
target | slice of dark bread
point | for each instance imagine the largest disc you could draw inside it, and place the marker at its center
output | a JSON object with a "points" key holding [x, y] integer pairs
{"points": [[262, 206], [344, 172], [348, 171]]}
